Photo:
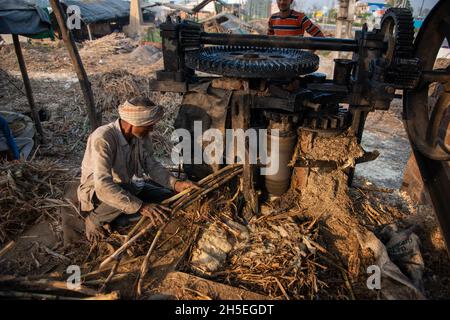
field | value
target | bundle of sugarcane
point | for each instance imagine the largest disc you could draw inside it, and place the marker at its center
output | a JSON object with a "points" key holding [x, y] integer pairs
{"points": [[176, 203], [48, 289]]}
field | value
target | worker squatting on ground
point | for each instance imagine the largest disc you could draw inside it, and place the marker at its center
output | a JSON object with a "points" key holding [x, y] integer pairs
{"points": [[117, 157], [289, 22]]}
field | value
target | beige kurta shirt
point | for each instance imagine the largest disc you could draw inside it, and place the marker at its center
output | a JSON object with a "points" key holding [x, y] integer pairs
{"points": [[109, 160]]}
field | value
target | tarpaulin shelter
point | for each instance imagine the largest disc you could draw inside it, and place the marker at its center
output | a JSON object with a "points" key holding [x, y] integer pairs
{"points": [[98, 17], [93, 10], [30, 18], [18, 17], [24, 18], [100, 10]]}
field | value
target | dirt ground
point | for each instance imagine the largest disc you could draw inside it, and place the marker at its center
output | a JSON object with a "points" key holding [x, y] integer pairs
{"points": [[119, 68]]}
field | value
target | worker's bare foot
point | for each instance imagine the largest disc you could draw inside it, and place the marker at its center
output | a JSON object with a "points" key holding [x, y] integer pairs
{"points": [[93, 232]]}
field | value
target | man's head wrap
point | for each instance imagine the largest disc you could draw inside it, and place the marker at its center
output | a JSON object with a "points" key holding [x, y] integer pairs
{"points": [[139, 115]]}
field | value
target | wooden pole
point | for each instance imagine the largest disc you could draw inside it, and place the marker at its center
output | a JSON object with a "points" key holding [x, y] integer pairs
{"points": [[136, 18], [240, 119], [27, 84], [77, 63], [89, 32]]}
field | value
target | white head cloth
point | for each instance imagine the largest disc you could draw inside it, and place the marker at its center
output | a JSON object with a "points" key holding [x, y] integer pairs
{"points": [[140, 115]]}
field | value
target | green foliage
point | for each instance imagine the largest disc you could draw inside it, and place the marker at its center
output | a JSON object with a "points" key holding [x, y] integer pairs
{"points": [[365, 16], [332, 14], [152, 35]]}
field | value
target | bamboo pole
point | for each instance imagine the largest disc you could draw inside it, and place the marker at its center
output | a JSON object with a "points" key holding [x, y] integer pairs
{"points": [[77, 63]]}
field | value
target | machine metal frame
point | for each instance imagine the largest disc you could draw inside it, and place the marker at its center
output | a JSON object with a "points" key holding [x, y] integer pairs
{"points": [[384, 60]]}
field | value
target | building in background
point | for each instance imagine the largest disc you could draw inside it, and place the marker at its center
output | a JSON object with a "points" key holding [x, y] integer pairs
{"points": [[377, 7], [361, 8], [274, 7], [259, 9]]}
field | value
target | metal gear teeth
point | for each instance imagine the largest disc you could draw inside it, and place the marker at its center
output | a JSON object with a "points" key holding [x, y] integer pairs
{"points": [[403, 71], [230, 61]]}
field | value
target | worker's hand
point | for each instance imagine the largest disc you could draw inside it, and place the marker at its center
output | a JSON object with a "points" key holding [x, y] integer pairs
{"points": [[181, 185], [157, 213], [93, 232]]}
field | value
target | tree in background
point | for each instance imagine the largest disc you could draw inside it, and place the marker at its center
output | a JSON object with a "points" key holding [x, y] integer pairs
{"points": [[332, 14]]}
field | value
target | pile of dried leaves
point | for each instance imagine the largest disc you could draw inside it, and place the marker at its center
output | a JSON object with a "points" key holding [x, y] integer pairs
{"points": [[39, 56], [279, 259], [28, 191], [281, 254], [114, 43], [114, 87]]}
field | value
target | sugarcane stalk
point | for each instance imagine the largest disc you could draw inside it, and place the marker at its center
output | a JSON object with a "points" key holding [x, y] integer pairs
{"points": [[205, 191], [111, 275], [144, 267], [6, 248], [188, 201], [110, 296], [106, 268], [45, 284], [126, 245], [205, 181], [195, 193], [31, 295], [182, 196]]}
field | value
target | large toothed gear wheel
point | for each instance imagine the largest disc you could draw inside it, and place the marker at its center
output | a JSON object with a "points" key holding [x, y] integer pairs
{"points": [[326, 124], [248, 62], [397, 26]]}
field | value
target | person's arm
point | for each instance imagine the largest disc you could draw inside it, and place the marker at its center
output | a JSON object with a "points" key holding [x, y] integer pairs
{"points": [[312, 28], [106, 189], [270, 31], [155, 169], [9, 138], [160, 174]]}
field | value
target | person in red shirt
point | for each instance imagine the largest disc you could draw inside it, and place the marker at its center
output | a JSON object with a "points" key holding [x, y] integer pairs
{"points": [[289, 22]]}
